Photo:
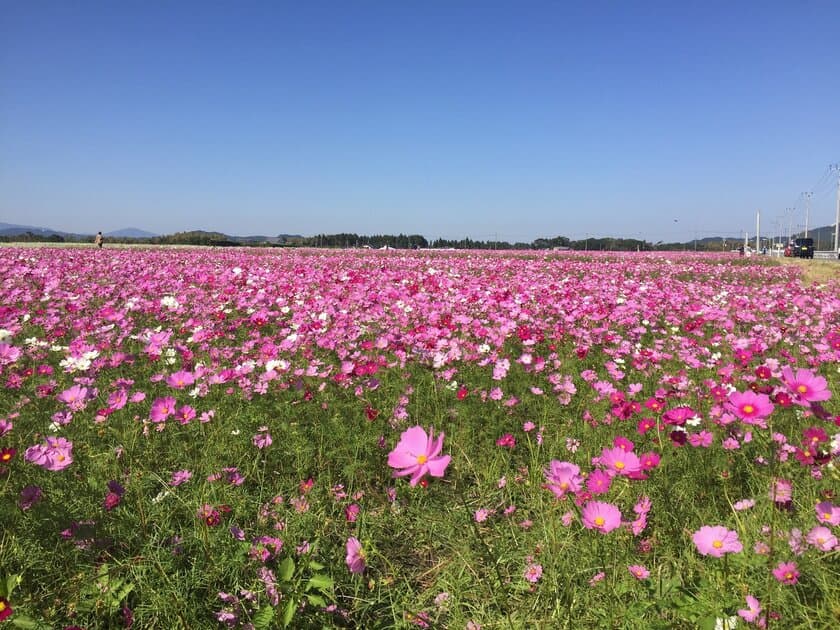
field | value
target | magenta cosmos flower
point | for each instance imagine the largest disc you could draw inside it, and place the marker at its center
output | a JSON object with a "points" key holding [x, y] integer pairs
{"points": [[162, 408], [355, 558], [750, 407], [805, 385], [604, 517], [716, 540], [562, 477], [786, 573], [417, 454]]}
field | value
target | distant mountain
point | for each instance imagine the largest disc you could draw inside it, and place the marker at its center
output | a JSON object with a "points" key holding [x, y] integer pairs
{"points": [[12, 229], [131, 232]]}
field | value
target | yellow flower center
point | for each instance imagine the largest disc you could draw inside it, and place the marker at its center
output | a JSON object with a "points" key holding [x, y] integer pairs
{"points": [[422, 459], [717, 544], [619, 465], [789, 575], [565, 486], [599, 521], [61, 458], [7, 457], [748, 408], [802, 389], [826, 515], [2, 606]]}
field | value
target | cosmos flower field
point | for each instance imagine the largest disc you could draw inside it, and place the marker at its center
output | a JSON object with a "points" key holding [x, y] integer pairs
{"points": [[201, 438]]}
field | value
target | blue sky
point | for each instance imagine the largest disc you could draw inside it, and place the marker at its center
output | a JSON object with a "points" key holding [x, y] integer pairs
{"points": [[662, 120]]}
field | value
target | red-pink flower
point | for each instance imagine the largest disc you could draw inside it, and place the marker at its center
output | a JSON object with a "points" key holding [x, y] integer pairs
{"points": [[750, 407], [180, 379], [716, 540], [604, 517], [805, 386], [786, 573], [355, 557], [417, 454]]}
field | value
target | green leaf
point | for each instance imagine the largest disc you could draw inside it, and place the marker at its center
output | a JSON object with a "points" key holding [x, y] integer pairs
{"points": [[316, 600], [263, 617], [286, 569], [289, 612], [19, 621], [321, 581], [12, 582], [315, 566]]}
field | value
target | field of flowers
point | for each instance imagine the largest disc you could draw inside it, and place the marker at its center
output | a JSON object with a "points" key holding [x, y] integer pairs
{"points": [[263, 438]]}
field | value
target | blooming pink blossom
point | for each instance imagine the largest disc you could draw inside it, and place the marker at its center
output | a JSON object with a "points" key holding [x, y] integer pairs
{"points": [[638, 571], [604, 517], [162, 408], [786, 573], [617, 461], [750, 407], [821, 538], [805, 386], [56, 454], [562, 477], [417, 454], [752, 611], [828, 513], [355, 557], [715, 540], [533, 572]]}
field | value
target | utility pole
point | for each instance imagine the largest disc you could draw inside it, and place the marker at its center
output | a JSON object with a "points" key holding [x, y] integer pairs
{"points": [[757, 228], [807, 196], [837, 214]]}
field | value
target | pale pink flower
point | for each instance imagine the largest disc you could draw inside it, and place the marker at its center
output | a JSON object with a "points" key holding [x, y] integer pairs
{"points": [[417, 454], [638, 571], [716, 541], [355, 558], [753, 610], [821, 538]]}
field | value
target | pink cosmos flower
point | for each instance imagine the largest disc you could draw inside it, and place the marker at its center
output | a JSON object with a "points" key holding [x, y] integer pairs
{"points": [[638, 571], [56, 454], [417, 454], [355, 558], [786, 573], [179, 477], [617, 461], [262, 440], [604, 517], [180, 379], [184, 414], [562, 477], [753, 610], [828, 513], [533, 572], [716, 540], [598, 482], [750, 407], [781, 491], [805, 386], [162, 408], [74, 397], [822, 538]]}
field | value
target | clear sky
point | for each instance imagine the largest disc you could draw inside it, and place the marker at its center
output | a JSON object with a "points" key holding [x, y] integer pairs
{"points": [[664, 120]]}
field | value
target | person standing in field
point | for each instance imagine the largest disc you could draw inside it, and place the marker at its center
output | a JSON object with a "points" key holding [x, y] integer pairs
{"points": [[98, 240]]}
